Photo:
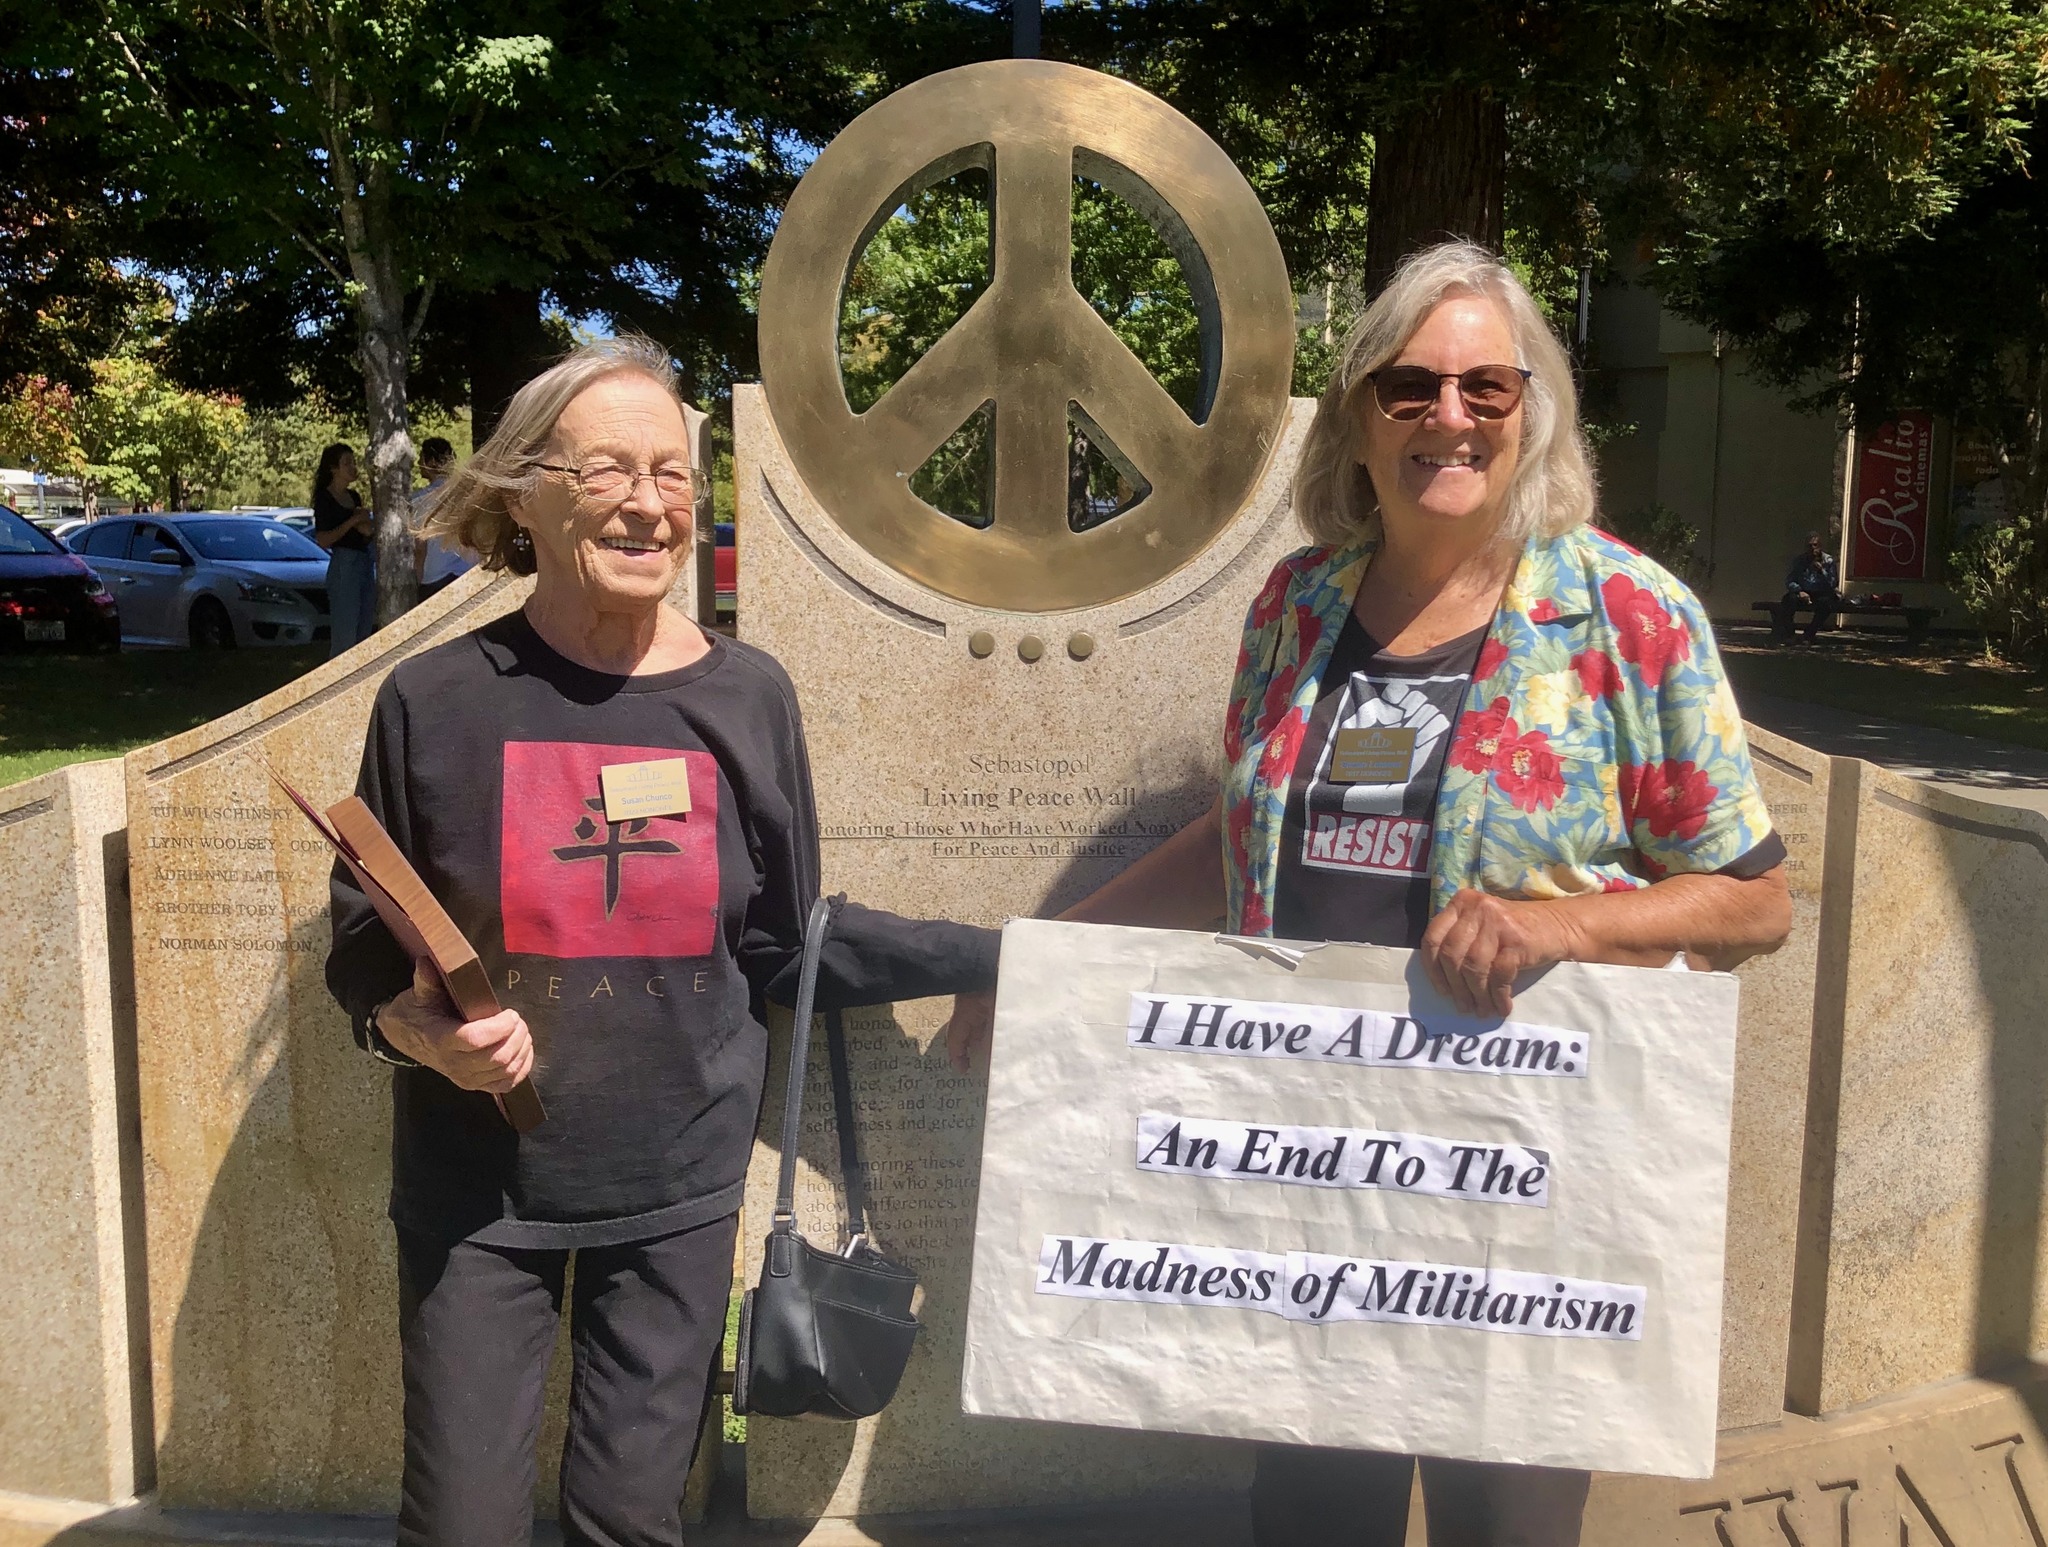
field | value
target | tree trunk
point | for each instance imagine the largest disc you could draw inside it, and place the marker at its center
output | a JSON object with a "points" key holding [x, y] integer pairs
{"points": [[380, 316], [1438, 171], [507, 348], [383, 344]]}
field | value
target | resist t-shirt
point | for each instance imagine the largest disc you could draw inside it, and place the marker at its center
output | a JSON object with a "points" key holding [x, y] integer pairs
{"points": [[1354, 850]]}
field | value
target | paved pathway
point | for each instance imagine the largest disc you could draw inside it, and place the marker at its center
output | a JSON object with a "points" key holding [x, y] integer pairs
{"points": [[1970, 765]]}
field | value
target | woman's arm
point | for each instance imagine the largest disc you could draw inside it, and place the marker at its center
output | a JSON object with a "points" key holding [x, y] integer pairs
{"points": [[1179, 885], [1476, 948], [396, 1007]]}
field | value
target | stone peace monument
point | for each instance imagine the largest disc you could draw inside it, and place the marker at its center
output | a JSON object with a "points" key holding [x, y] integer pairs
{"points": [[198, 1343]]}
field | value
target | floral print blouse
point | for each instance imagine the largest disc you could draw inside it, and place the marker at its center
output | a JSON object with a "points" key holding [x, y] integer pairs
{"points": [[1599, 749]]}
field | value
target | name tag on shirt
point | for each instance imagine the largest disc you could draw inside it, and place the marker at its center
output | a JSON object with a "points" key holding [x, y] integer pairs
{"points": [[659, 788], [1377, 754]]}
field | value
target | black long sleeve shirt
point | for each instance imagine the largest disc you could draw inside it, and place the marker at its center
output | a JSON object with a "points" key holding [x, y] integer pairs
{"points": [[639, 952]]}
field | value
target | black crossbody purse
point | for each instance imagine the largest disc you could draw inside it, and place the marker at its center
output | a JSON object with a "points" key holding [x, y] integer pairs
{"points": [[823, 1334]]}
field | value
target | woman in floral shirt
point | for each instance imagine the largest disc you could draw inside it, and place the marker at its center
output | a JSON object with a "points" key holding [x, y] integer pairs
{"points": [[1469, 723]]}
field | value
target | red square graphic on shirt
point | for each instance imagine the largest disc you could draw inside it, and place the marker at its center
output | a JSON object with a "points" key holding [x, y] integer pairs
{"points": [[573, 884]]}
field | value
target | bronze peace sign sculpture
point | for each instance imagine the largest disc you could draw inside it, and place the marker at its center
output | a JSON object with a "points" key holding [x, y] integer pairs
{"points": [[1030, 344]]}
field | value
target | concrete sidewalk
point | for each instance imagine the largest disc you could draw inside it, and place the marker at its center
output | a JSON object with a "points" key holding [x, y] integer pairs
{"points": [[1969, 765]]}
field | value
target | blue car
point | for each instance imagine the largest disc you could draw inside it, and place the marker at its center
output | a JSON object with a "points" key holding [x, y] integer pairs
{"points": [[210, 580]]}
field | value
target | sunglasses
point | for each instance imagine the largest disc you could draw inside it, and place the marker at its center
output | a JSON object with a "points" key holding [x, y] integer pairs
{"points": [[1406, 392]]}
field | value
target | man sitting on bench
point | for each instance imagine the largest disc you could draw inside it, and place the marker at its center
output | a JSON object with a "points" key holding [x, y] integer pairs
{"points": [[1809, 583]]}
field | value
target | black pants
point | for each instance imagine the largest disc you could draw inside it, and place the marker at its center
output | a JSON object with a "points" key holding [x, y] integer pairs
{"points": [[1359, 1498], [1823, 603], [477, 1325]]}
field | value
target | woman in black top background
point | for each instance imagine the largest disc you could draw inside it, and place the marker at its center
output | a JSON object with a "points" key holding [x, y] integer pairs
{"points": [[342, 526], [633, 958]]}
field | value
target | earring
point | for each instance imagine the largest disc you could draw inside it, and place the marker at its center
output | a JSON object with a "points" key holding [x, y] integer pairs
{"points": [[522, 542]]}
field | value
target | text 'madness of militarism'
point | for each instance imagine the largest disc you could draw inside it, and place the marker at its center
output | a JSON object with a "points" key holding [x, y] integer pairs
{"points": [[1308, 1286]]}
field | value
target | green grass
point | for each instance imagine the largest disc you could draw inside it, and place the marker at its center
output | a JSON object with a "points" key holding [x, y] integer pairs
{"points": [[58, 709], [1950, 687], [735, 1424]]}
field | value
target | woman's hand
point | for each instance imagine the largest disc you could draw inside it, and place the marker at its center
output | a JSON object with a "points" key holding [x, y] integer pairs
{"points": [[971, 1030], [493, 1054], [1476, 948]]}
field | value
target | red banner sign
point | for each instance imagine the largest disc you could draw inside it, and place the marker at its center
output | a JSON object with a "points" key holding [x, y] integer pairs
{"points": [[1894, 463]]}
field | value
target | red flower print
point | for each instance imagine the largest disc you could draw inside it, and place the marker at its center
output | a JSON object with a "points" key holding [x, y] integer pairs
{"points": [[1492, 656], [1617, 884], [1598, 674], [1673, 797], [1481, 736], [1266, 605], [1256, 921], [1528, 772], [1544, 610], [1651, 639], [1276, 763]]}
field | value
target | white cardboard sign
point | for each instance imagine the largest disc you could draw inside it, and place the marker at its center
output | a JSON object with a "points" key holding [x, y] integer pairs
{"points": [[1335, 1234]]}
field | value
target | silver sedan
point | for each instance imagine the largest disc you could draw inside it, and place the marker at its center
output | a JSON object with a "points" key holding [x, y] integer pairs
{"points": [[209, 580]]}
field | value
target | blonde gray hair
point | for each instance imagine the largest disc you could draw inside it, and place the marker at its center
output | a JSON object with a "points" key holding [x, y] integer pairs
{"points": [[473, 509], [1552, 491]]}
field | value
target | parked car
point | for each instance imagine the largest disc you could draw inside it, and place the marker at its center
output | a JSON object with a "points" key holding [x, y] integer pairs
{"points": [[298, 517], [49, 596], [211, 579], [725, 573], [62, 530]]}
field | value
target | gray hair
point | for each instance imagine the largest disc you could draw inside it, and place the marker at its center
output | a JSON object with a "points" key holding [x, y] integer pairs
{"points": [[1553, 489], [473, 509]]}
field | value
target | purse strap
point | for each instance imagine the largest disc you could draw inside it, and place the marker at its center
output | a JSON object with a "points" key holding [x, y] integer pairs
{"points": [[852, 1177], [819, 926]]}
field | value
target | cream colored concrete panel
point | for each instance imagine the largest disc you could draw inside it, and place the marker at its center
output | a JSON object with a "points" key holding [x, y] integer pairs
{"points": [[266, 1133], [956, 786], [69, 1410], [1685, 449], [1776, 484], [1933, 1217]]}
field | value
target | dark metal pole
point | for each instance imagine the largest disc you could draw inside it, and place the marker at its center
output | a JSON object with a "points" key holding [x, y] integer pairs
{"points": [[1027, 16]]}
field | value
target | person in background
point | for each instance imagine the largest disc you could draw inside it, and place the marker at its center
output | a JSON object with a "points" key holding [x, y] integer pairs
{"points": [[1573, 784], [435, 564], [342, 525], [1810, 582]]}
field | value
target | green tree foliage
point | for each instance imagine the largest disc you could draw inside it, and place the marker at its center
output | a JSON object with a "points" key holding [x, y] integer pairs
{"points": [[362, 156], [1880, 242], [1584, 126], [129, 434], [62, 298]]}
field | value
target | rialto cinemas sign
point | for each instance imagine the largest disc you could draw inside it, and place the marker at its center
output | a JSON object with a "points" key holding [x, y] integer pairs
{"points": [[1893, 478]]}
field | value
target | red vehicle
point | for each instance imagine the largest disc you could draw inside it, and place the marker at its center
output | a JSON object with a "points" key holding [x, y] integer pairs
{"points": [[48, 596], [725, 573]]}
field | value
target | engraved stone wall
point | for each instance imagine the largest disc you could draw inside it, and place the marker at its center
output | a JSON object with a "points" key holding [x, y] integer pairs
{"points": [[1959, 1465], [266, 1133], [970, 778], [73, 1390]]}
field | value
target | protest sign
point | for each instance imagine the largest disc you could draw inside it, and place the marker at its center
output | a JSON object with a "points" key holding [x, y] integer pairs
{"points": [[1285, 1192]]}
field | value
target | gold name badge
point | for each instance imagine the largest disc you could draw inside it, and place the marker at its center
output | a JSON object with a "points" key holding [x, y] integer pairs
{"points": [[1379, 754], [659, 788]]}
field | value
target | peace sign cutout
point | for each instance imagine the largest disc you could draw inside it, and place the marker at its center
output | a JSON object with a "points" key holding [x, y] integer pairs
{"points": [[1030, 345]]}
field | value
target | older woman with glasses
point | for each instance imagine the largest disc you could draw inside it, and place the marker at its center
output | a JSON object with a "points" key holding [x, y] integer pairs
{"points": [[632, 950], [1562, 772]]}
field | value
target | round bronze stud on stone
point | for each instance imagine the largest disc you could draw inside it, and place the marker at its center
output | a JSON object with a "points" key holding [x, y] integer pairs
{"points": [[981, 644], [1030, 647], [1080, 646], [1031, 346]]}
